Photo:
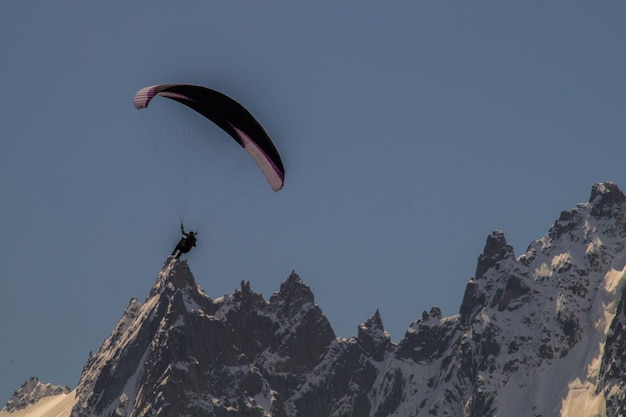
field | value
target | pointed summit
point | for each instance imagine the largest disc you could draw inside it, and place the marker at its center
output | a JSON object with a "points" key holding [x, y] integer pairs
{"points": [[293, 296], [308, 333], [604, 195], [496, 249], [373, 337], [495, 254], [174, 275], [495, 242], [151, 342]]}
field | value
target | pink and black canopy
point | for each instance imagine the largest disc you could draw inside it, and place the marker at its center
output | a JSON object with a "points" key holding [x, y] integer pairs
{"points": [[229, 115]]}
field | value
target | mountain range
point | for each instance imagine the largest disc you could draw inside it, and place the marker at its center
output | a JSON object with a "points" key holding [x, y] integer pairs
{"points": [[539, 334]]}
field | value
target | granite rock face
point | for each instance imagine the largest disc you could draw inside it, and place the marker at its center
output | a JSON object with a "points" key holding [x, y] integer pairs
{"points": [[181, 352]]}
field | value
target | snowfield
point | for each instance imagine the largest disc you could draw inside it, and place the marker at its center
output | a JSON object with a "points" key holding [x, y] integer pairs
{"points": [[55, 406]]}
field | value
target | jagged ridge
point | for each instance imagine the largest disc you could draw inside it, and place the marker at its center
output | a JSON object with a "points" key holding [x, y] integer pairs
{"points": [[31, 392], [538, 334]]}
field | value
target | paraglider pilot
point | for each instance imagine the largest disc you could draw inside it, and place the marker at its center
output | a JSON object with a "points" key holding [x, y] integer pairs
{"points": [[185, 244]]}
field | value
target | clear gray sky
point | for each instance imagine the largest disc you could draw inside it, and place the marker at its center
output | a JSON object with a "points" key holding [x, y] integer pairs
{"points": [[409, 131]]}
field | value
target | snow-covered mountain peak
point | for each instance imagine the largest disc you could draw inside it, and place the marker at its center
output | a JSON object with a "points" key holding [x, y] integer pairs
{"points": [[175, 275], [373, 324], [373, 337], [604, 196], [293, 296], [553, 304], [31, 392], [111, 381], [542, 334], [180, 350]]}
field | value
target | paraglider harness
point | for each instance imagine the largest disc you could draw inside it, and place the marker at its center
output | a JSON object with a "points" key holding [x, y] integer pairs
{"points": [[185, 244]]}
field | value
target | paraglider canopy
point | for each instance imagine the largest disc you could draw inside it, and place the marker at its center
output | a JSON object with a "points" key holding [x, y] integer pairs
{"points": [[230, 116]]}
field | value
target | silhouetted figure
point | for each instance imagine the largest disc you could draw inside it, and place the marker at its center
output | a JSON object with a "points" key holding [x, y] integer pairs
{"points": [[185, 244]]}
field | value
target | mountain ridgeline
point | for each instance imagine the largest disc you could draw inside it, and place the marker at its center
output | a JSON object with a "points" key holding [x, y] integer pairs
{"points": [[540, 334]]}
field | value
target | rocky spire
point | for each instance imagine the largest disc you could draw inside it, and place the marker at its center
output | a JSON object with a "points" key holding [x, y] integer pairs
{"points": [[293, 296], [309, 332], [175, 274], [604, 195], [496, 249], [150, 345], [373, 337]]}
